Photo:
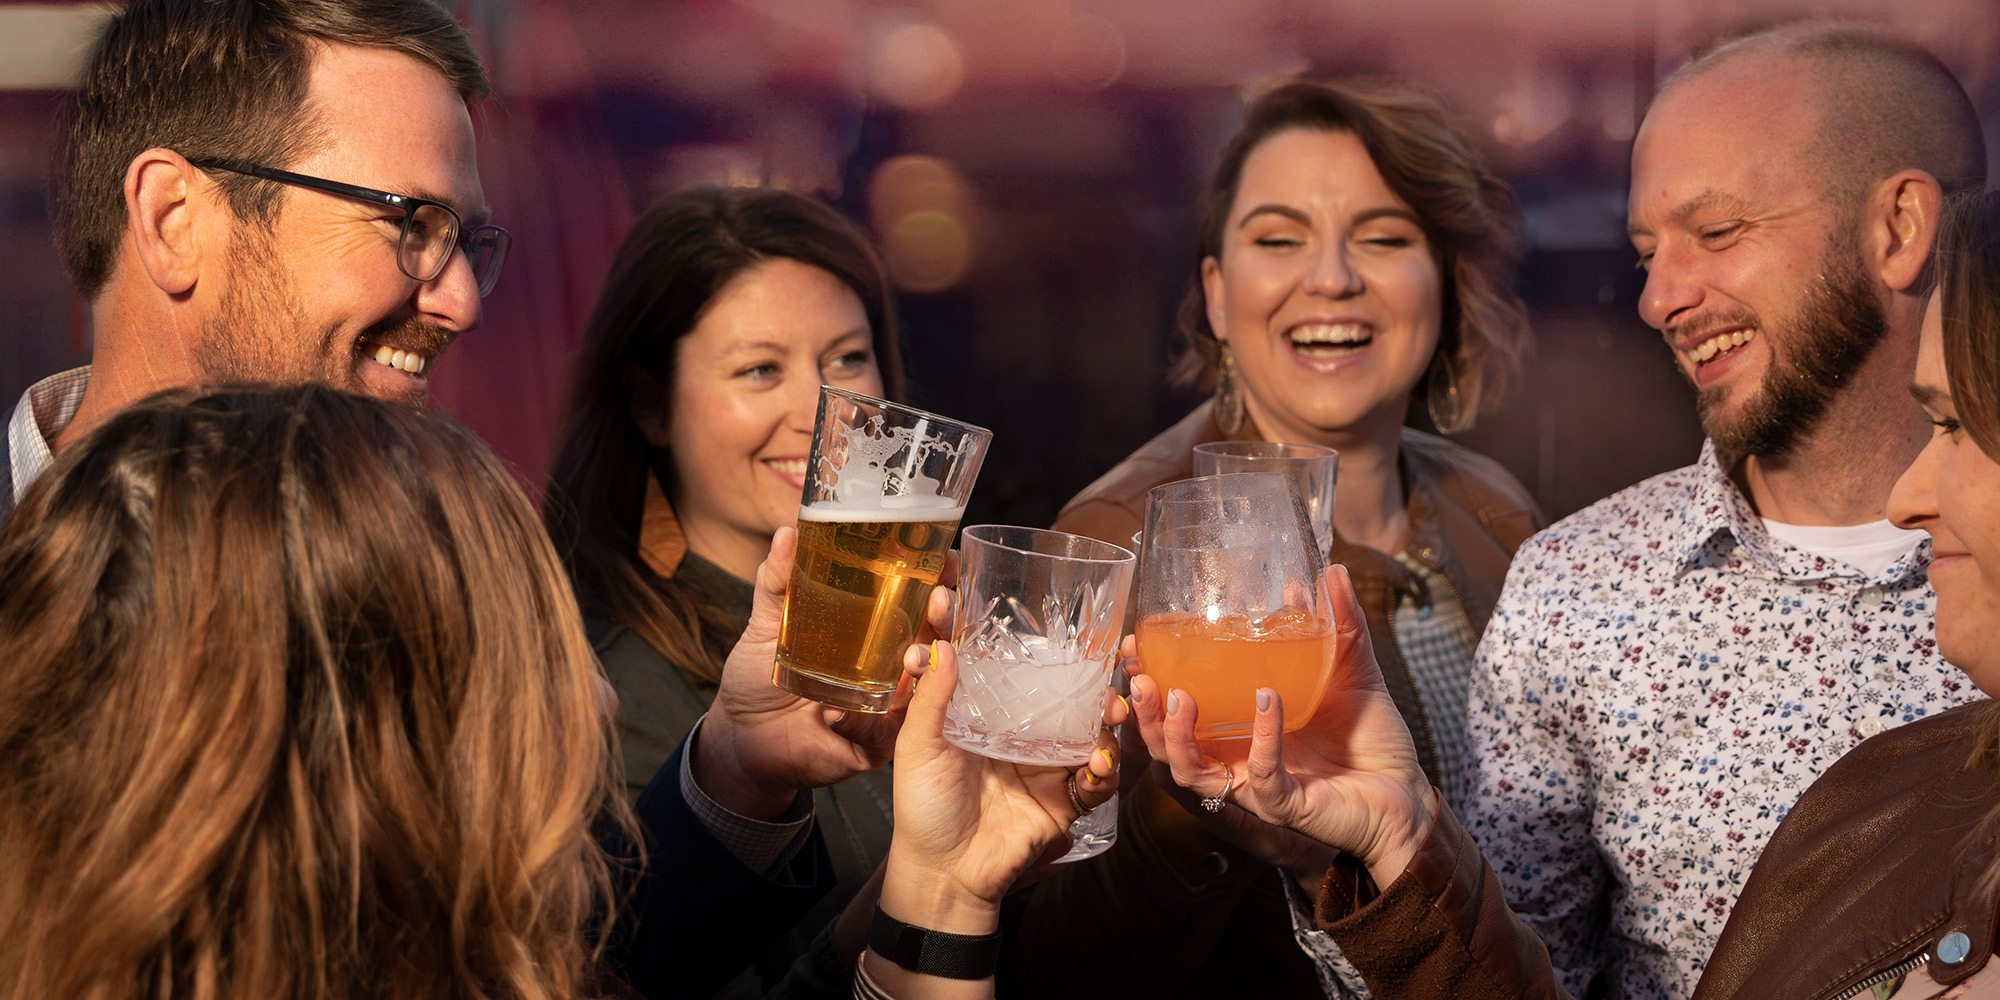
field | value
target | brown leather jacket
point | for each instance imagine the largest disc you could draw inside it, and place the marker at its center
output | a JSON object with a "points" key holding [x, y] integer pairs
{"points": [[1878, 863], [1185, 912]]}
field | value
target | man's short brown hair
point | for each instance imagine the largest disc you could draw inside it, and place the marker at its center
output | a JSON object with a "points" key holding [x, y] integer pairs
{"points": [[218, 79]]}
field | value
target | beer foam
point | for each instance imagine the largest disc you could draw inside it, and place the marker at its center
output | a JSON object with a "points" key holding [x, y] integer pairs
{"points": [[885, 510]]}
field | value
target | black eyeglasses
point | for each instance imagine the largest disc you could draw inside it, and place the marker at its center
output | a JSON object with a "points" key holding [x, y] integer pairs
{"points": [[431, 230]]}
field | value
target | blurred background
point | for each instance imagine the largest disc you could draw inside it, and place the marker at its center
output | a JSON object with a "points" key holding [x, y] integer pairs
{"points": [[1030, 169]]}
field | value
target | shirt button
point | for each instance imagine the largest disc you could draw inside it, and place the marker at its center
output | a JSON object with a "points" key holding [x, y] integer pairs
{"points": [[1871, 726], [1219, 865], [1953, 947]]}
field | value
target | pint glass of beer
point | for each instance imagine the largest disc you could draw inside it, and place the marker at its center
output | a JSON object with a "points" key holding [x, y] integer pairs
{"points": [[1230, 601], [885, 489]]}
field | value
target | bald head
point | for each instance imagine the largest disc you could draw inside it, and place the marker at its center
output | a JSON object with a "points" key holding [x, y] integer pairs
{"points": [[1882, 105]]}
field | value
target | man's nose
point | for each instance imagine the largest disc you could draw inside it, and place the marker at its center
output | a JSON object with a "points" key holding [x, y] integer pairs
{"points": [[451, 300], [1671, 291]]}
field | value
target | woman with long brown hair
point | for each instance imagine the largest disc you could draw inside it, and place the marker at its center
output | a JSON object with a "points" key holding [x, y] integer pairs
{"points": [[682, 454], [295, 704]]}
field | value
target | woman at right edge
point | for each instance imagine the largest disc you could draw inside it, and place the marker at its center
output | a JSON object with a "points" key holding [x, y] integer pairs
{"points": [[1355, 254], [1882, 882]]}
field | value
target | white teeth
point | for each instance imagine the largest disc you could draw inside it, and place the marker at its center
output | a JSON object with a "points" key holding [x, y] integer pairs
{"points": [[1719, 344], [1330, 333], [399, 359], [790, 467]]}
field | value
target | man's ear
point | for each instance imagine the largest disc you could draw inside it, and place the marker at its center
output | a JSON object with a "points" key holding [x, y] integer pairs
{"points": [[163, 201], [1902, 224]]}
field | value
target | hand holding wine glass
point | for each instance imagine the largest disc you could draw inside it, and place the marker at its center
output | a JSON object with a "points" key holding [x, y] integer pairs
{"points": [[1349, 780]]}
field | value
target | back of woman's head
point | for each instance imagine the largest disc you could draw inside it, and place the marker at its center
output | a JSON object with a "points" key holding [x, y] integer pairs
{"points": [[1468, 214], [667, 272], [296, 704], [1968, 271]]}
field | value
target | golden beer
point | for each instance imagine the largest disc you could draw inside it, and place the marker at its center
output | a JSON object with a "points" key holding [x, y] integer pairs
{"points": [[859, 585]]}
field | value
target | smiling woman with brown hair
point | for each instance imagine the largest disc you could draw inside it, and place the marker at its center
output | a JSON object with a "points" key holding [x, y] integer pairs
{"points": [[682, 454]]}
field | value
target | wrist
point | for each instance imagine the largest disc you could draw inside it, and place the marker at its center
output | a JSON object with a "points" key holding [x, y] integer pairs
{"points": [[724, 775], [1396, 851], [927, 951], [921, 893]]}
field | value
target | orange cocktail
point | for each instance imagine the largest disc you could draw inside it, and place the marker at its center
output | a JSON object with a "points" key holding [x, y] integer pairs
{"points": [[1222, 662]]}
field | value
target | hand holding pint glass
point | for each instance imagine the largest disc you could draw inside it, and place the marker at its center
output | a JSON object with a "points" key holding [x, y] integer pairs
{"points": [[886, 486], [1230, 600]]}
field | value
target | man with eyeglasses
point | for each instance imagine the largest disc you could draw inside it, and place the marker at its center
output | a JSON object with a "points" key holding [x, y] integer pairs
{"points": [[285, 191], [281, 193]]}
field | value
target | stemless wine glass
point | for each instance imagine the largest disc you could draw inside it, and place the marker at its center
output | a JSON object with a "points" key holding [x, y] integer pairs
{"points": [[1311, 469], [1230, 601]]}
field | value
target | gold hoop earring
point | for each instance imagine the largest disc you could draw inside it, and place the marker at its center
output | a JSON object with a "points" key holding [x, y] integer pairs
{"points": [[1442, 397], [1228, 394]]}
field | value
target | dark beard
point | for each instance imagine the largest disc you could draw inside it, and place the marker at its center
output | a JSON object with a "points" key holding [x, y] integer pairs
{"points": [[1835, 330]]}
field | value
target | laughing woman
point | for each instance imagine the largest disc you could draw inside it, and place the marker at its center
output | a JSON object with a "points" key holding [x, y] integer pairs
{"points": [[1355, 254]]}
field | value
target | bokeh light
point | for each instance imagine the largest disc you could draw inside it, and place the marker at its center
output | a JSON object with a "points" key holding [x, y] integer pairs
{"points": [[916, 66]]}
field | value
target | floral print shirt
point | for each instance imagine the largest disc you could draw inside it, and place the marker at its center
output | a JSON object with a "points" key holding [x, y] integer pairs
{"points": [[1660, 682]]}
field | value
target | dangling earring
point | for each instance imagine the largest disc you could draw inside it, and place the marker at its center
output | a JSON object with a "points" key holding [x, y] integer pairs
{"points": [[1442, 398], [1228, 394], [662, 546]]}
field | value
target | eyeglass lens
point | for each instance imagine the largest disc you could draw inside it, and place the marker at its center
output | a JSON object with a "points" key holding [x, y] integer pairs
{"points": [[486, 249], [428, 237], [431, 235]]}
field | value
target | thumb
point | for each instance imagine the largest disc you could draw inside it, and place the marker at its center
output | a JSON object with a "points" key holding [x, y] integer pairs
{"points": [[774, 580], [925, 719], [1350, 623]]}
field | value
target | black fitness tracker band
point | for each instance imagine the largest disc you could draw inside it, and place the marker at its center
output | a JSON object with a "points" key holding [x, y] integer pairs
{"points": [[934, 953]]}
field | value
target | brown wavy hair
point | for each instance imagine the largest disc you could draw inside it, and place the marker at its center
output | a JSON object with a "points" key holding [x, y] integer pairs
{"points": [[670, 267], [297, 704], [1469, 216]]}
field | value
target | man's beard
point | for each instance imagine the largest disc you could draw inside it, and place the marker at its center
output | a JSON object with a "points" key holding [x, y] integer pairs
{"points": [[258, 333], [1836, 328]]}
